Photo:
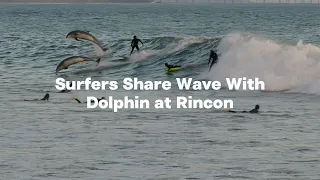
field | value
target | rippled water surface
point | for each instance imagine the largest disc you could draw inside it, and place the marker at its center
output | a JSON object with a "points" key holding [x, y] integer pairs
{"points": [[62, 139]]}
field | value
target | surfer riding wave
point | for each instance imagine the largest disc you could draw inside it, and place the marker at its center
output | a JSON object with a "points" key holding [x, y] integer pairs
{"points": [[135, 44]]}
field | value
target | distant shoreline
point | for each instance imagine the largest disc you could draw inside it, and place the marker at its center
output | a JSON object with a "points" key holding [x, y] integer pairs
{"points": [[74, 3], [143, 2], [70, 2]]}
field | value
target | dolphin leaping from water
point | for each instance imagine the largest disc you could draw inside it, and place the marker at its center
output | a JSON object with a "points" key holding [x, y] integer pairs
{"points": [[73, 60], [78, 34]]}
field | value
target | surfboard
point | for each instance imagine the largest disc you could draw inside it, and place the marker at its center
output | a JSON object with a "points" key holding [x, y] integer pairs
{"points": [[172, 69]]}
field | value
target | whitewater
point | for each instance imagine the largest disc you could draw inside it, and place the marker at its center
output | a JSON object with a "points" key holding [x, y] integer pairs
{"points": [[278, 44], [283, 67]]}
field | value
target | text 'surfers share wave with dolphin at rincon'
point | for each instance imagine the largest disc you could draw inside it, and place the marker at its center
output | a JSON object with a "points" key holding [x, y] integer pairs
{"points": [[276, 65], [50, 133]]}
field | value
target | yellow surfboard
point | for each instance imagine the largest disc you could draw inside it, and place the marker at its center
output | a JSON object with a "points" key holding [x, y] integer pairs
{"points": [[172, 69]]}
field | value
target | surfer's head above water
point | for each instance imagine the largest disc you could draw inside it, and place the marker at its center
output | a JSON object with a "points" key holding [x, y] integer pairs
{"points": [[134, 37]]}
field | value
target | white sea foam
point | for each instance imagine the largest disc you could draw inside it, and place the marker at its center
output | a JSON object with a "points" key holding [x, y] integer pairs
{"points": [[281, 67]]}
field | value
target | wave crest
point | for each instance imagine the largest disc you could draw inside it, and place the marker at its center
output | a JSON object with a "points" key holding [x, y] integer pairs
{"points": [[281, 67]]}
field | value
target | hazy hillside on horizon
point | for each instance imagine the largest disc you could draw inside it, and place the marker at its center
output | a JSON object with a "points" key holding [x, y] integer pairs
{"points": [[163, 1], [71, 1]]}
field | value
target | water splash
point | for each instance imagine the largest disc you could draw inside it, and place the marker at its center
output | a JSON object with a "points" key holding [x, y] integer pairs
{"points": [[281, 67]]}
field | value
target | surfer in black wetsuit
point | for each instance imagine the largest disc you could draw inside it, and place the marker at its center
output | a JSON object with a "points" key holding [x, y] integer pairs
{"points": [[214, 57], [134, 43], [66, 90], [170, 66], [86, 102], [45, 98], [255, 110]]}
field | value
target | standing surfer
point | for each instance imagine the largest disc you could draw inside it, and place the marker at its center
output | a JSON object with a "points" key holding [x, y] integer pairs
{"points": [[214, 57], [134, 43]]}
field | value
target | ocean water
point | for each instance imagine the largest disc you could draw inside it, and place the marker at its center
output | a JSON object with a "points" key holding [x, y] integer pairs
{"points": [[62, 139]]}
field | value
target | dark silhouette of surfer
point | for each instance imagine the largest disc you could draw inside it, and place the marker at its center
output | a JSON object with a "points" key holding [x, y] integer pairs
{"points": [[255, 110], [45, 98], [66, 90], [214, 57], [171, 66], [74, 98], [135, 44]]}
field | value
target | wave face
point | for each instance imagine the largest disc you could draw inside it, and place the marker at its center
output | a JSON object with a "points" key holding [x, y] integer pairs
{"points": [[282, 66], [295, 68]]}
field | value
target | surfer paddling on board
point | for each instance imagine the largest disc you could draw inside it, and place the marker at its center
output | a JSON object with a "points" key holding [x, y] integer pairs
{"points": [[45, 98], [134, 43], [66, 90], [214, 57], [170, 66], [74, 98], [255, 110]]}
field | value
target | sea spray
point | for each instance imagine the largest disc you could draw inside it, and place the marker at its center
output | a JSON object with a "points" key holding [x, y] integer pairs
{"points": [[280, 66], [142, 55], [98, 51]]}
